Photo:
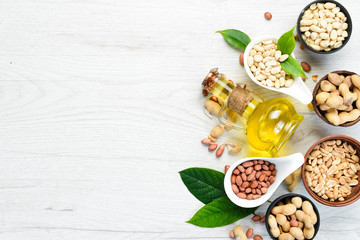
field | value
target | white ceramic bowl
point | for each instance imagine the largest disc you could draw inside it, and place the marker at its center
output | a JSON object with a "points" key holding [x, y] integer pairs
{"points": [[283, 165], [298, 90]]}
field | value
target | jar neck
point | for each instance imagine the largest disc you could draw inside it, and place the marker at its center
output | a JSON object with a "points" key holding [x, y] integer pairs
{"points": [[223, 89]]}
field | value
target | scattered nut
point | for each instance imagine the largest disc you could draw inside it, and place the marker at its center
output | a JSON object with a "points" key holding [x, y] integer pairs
{"points": [[241, 59], [206, 141], [314, 77], [249, 233], [220, 150], [212, 147], [256, 218], [268, 15], [227, 168], [306, 66], [257, 237], [233, 147]]}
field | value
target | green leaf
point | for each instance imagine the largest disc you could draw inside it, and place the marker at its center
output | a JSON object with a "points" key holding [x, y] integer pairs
{"points": [[236, 38], [205, 184], [218, 213], [286, 42], [293, 67]]}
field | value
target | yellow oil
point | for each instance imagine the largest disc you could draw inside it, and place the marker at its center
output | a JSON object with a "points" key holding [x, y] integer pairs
{"points": [[268, 124], [271, 124]]}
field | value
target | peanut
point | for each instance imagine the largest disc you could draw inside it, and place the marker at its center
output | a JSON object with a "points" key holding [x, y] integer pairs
{"points": [[213, 139], [356, 80], [333, 117], [256, 218], [297, 201], [249, 233], [232, 234], [309, 210], [309, 232], [212, 147], [349, 116], [274, 230], [233, 147], [268, 15], [206, 141], [286, 236], [297, 233], [294, 223], [322, 97], [303, 217], [212, 107], [296, 175], [227, 168], [327, 86], [241, 59], [287, 209], [217, 131], [220, 150], [348, 96], [257, 237], [335, 79], [239, 233], [306, 66], [285, 224]]}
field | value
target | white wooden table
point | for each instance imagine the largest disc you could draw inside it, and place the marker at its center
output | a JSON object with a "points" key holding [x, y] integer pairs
{"points": [[101, 106]]}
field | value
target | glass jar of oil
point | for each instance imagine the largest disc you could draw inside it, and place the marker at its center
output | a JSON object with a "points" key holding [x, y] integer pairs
{"points": [[267, 124]]}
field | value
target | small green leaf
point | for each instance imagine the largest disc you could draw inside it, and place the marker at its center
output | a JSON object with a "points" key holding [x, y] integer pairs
{"points": [[293, 67], [205, 184], [218, 213], [286, 42], [236, 38]]}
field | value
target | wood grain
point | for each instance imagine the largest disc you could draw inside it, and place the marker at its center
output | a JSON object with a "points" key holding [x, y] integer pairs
{"points": [[101, 107]]}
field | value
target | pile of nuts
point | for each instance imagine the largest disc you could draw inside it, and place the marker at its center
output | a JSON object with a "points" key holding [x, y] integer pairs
{"points": [[339, 97], [251, 179], [264, 62], [331, 170], [323, 26], [294, 219]]}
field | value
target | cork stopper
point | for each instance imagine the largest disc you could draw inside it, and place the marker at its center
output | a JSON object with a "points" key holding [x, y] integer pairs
{"points": [[238, 99]]}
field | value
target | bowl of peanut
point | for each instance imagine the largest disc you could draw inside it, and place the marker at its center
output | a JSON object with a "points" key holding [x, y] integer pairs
{"points": [[262, 62], [250, 182], [324, 26], [336, 98], [292, 216], [331, 170]]}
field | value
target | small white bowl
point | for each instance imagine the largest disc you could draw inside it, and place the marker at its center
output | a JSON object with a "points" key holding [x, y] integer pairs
{"points": [[298, 90], [284, 167]]}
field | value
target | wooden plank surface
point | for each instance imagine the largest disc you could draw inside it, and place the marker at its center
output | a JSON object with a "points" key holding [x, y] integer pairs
{"points": [[101, 107]]}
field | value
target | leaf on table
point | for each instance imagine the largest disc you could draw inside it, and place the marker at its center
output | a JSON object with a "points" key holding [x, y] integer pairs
{"points": [[204, 183], [286, 42], [236, 38], [218, 213], [293, 67]]}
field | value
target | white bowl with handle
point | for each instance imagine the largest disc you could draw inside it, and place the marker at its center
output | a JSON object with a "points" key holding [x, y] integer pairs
{"points": [[298, 90], [284, 167]]}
